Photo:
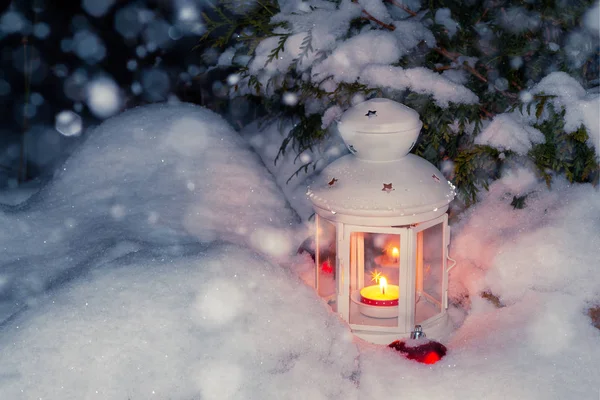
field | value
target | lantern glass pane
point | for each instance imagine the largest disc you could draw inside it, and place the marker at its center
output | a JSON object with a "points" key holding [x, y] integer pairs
{"points": [[429, 273], [374, 279], [325, 258]]}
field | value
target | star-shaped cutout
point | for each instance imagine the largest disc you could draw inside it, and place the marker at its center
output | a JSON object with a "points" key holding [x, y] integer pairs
{"points": [[332, 182], [387, 187], [371, 114], [435, 178]]}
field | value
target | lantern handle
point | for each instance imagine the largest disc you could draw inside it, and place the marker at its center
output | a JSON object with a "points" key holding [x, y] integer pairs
{"points": [[453, 263]]}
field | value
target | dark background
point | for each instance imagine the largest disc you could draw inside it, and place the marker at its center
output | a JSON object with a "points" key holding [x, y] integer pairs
{"points": [[30, 147]]}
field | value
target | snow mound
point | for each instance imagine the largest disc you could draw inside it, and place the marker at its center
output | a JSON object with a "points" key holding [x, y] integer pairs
{"points": [[164, 175], [222, 324], [542, 247]]}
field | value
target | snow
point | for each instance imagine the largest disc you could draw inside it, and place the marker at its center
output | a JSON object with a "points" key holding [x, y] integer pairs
{"points": [[376, 8], [367, 57], [591, 19], [13, 196], [507, 132], [411, 33], [322, 24], [68, 123], [518, 19], [580, 45], [146, 326], [187, 11], [97, 8], [156, 34], [265, 141], [13, 22], [330, 115], [129, 184], [88, 46], [226, 58], [103, 97], [419, 80], [132, 65], [516, 62], [444, 17], [351, 57], [128, 22], [41, 30], [289, 99], [156, 84], [160, 263], [580, 108]]}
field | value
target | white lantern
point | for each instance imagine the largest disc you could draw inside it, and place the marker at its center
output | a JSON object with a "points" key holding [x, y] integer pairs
{"points": [[382, 229]]}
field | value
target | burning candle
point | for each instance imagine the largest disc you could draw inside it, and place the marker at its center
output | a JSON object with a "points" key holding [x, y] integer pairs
{"points": [[382, 294], [395, 254], [389, 258]]}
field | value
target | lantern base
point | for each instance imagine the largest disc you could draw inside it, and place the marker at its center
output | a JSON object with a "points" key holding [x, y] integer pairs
{"points": [[374, 311], [437, 328]]}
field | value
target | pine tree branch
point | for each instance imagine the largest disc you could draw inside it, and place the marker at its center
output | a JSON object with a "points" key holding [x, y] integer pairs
{"points": [[402, 6], [473, 71], [481, 17], [442, 51], [378, 22], [266, 8]]}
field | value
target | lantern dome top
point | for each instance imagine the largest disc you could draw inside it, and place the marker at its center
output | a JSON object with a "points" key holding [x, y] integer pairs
{"points": [[380, 130], [379, 116], [380, 184]]}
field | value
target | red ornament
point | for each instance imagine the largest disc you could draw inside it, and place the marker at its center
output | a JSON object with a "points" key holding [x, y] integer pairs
{"points": [[326, 267], [428, 352]]}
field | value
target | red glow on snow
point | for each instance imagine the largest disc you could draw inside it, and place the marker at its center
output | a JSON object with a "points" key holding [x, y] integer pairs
{"points": [[431, 358]]}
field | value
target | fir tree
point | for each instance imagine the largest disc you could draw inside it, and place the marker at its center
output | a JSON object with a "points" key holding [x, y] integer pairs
{"points": [[497, 50]]}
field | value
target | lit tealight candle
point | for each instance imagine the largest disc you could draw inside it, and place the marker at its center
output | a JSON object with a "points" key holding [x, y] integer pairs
{"points": [[383, 294]]}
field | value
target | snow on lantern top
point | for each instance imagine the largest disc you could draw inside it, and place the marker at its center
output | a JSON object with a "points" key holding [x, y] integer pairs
{"points": [[380, 183]]}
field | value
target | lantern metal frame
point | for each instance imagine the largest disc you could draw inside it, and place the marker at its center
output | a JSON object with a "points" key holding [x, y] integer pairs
{"points": [[436, 326]]}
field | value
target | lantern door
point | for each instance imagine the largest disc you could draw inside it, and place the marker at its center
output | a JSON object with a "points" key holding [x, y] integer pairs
{"points": [[326, 275], [428, 259], [373, 293]]}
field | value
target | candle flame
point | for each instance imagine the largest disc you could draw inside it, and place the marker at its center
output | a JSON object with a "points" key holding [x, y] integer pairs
{"points": [[382, 284]]}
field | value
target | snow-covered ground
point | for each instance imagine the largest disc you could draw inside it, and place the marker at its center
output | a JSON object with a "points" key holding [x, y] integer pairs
{"points": [[160, 264]]}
